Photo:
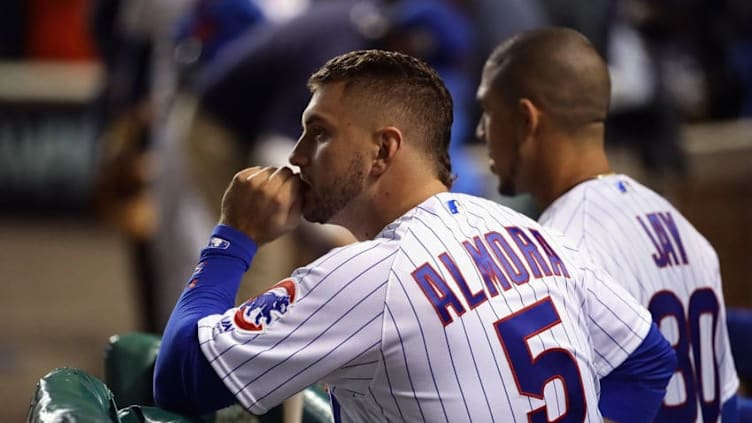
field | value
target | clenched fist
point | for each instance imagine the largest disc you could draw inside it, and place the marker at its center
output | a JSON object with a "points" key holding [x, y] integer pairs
{"points": [[262, 202]]}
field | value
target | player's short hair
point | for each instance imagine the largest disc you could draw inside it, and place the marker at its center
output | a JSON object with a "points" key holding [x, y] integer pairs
{"points": [[559, 70], [402, 86]]}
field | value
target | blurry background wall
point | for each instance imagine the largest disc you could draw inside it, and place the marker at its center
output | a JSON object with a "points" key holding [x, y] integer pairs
{"points": [[86, 87]]}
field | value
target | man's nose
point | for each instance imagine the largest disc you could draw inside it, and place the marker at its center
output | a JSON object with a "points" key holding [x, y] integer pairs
{"points": [[298, 157], [480, 130]]}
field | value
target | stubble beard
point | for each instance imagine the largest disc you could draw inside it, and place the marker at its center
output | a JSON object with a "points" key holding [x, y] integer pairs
{"points": [[506, 188], [506, 184], [327, 201]]}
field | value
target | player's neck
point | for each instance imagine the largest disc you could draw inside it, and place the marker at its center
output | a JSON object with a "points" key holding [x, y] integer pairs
{"points": [[590, 177], [572, 171], [602, 173], [389, 201]]}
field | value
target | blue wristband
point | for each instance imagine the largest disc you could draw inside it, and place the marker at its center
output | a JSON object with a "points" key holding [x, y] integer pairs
{"points": [[228, 241]]}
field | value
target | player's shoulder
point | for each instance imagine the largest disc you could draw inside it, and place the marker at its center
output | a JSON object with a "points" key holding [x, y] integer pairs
{"points": [[650, 201], [605, 198], [462, 206], [361, 251], [628, 191], [349, 262], [507, 217]]}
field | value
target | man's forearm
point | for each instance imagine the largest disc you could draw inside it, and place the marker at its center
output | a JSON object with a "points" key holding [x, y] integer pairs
{"points": [[184, 380]]}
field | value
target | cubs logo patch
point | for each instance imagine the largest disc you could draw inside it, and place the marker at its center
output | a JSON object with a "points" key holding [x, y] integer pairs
{"points": [[258, 312]]}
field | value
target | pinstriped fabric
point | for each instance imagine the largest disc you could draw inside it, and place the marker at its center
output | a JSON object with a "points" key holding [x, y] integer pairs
{"points": [[627, 228], [411, 325]]}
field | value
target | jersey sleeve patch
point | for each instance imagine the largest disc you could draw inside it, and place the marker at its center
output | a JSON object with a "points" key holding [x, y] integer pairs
{"points": [[258, 312]]}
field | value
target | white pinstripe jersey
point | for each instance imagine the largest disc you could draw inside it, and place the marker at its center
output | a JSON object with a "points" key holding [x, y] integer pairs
{"points": [[460, 310], [649, 247]]}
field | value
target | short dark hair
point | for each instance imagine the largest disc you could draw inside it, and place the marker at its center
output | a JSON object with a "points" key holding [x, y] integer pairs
{"points": [[405, 86], [557, 68]]}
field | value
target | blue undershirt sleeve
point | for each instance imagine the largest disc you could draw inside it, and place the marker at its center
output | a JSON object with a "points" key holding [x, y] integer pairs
{"points": [[730, 410], [184, 381], [634, 391]]}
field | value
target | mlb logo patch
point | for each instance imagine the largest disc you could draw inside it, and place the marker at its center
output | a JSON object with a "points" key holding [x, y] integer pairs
{"points": [[622, 186], [255, 314], [220, 243], [453, 206]]}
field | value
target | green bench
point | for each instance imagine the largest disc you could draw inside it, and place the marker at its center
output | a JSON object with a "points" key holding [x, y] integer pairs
{"points": [[126, 395]]}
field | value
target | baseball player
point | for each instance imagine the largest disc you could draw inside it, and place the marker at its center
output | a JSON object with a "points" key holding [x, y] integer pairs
{"points": [[545, 96], [450, 308]]}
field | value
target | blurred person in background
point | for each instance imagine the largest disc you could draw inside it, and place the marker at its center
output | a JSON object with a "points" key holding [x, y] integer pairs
{"points": [[645, 114], [694, 40], [673, 62], [131, 37], [199, 35], [143, 185], [644, 117]]}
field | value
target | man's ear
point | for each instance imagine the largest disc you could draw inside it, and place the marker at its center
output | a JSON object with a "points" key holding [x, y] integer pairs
{"points": [[531, 118], [389, 142]]}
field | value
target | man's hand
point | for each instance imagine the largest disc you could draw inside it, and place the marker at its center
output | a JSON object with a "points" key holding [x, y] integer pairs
{"points": [[262, 202]]}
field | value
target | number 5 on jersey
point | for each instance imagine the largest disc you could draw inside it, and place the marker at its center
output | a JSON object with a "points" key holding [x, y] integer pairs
{"points": [[533, 373]]}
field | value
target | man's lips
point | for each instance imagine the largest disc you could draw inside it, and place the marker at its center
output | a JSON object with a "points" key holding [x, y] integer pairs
{"points": [[305, 186], [304, 179]]}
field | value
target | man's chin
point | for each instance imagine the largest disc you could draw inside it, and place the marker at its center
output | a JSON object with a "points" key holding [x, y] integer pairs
{"points": [[308, 208], [309, 213], [314, 214], [507, 190], [314, 219]]}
